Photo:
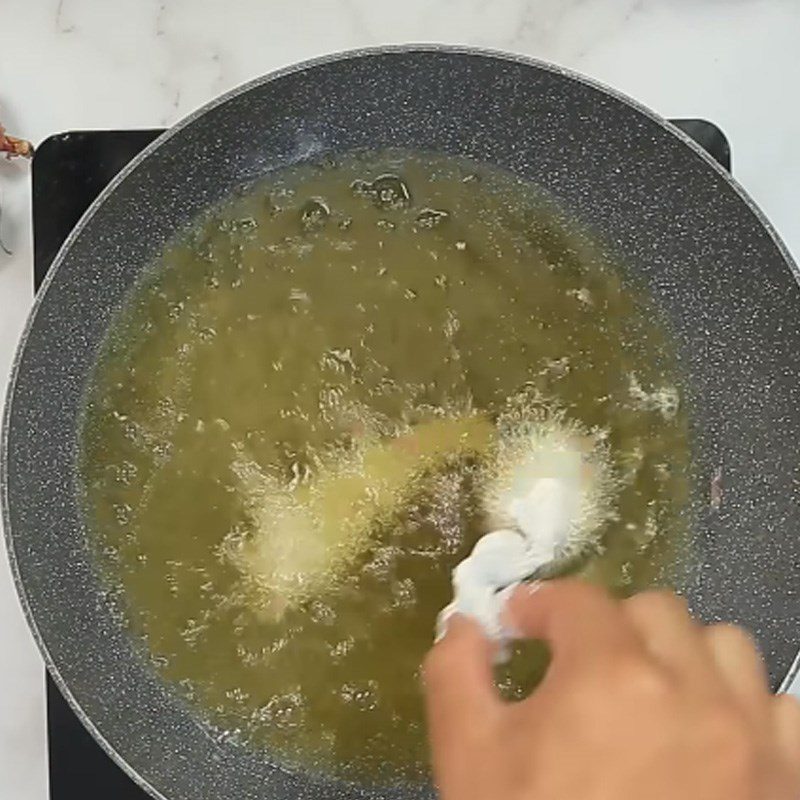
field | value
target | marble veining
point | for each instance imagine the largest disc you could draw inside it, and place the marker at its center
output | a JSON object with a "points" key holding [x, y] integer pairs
{"points": [[82, 64]]}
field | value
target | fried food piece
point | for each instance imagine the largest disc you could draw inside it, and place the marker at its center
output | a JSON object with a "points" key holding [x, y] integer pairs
{"points": [[303, 537]]}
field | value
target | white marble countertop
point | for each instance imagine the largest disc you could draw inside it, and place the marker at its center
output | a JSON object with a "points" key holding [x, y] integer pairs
{"points": [[68, 64]]}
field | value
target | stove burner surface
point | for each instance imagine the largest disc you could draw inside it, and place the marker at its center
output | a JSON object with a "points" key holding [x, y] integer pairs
{"points": [[69, 171]]}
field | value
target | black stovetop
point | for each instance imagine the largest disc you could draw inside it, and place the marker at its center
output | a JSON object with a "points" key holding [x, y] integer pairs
{"points": [[69, 171]]}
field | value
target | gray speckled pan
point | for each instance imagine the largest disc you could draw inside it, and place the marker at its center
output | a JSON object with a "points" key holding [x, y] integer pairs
{"points": [[685, 230]]}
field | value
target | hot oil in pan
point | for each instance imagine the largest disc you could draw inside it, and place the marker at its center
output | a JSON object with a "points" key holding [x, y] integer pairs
{"points": [[286, 427]]}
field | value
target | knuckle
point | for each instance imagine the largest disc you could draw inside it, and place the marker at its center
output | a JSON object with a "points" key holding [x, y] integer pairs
{"points": [[731, 637], [658, 602], [574, 594], [642, 678]]}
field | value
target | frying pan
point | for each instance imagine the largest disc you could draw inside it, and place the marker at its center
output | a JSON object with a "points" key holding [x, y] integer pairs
{"points": [[717, 273]]}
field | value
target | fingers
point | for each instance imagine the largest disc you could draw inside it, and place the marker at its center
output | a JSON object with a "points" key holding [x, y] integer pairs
{"points": [[671, 636], [461, 700], [740, 667], [572, 617], [786, 724], [581, 622]]}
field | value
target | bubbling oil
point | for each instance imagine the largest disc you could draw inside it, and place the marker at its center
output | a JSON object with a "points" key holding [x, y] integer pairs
{"points": [[308, 381]]}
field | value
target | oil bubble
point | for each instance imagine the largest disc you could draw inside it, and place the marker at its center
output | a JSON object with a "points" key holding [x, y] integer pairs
{"points": [[314, 214]]}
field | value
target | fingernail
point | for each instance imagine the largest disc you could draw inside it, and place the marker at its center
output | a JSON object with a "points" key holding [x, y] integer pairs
{"points": [[510, 630], [442, 622], [532, 587]]}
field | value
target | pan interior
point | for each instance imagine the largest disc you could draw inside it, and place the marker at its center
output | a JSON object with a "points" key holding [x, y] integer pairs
{"points": [[331, 308]]}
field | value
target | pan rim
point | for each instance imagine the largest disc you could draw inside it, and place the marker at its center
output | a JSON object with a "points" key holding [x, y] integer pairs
{"points": [[128, 169]]}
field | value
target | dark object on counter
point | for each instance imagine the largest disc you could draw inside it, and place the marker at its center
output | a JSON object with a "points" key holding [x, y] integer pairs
{"points": [[717, 272], [12, 146], [709, 137]]}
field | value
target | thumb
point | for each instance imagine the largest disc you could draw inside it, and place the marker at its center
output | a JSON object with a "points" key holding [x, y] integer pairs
{"points": [[461, 700]]}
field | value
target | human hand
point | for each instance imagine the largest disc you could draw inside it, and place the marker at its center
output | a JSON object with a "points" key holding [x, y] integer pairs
{"points": [[639, 703]]}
